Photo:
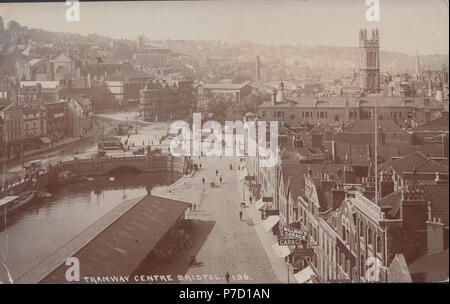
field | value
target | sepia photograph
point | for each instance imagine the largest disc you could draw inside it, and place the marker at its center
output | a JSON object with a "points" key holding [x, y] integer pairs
{"points": [[224, 142]]}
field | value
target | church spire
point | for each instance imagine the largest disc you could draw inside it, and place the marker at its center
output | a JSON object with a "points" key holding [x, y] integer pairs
{"points": [[417, 66]]}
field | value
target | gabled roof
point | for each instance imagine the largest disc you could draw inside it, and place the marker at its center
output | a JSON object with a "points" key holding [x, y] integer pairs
{"points": [[398, 271], [12, 107], [436, 194], [421, 162]]}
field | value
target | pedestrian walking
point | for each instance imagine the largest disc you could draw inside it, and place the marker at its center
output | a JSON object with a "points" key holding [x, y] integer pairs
{"points": [[227, 277], [220, 179], [240, 215], [217, 172], [250, 199], [231, 167], [195, 207], [203, 180]]}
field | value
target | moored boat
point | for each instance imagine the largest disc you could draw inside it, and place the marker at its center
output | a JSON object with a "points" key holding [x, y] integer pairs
{"points": [[9, 204], [44, 195]]}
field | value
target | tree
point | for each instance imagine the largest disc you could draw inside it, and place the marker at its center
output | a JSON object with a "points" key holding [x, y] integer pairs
{"points": [[13, 26], [219, 105]]}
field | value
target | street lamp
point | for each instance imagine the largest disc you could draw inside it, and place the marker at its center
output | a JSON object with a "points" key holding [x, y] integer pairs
{"points": [[288, 269]]}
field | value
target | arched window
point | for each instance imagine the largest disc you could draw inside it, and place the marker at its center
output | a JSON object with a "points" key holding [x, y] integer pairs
{"points": [[369, 236], [362, 265], [361, 229], [378, 244], [348, 268]]}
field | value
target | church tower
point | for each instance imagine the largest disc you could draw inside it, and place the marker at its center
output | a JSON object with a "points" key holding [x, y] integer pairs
{"points": [[369, 65]]}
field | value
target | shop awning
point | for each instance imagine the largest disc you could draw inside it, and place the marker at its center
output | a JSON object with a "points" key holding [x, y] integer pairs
{"points": [[259, 204], [281, 251], [46, 140], [270, 222], [304, 276]]}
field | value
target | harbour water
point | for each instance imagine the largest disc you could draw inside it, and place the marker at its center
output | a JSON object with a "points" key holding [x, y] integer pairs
{"points": [[37, 230]]}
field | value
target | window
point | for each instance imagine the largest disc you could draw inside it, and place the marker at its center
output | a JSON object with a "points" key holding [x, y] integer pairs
{"points": [[369, 236], [336, 118], [263, 113], [348, 267], [292, 116], [278, 114], [362, 265], [378, 244]]}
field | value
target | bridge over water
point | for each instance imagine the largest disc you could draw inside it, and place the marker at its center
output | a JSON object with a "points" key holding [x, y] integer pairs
{"points": [[63, 171], [151, 163]]}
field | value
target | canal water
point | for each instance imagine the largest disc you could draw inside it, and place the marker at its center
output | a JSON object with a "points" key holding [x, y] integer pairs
{"points": [[39, 229]]}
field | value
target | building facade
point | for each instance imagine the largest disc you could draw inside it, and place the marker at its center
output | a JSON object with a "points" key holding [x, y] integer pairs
{"points": [[340, 110], [34, 122], [161, 101], [79, 113], [57, 121]]}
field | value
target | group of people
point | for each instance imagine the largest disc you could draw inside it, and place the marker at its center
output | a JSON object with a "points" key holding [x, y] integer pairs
{"points": [[212, 184]]}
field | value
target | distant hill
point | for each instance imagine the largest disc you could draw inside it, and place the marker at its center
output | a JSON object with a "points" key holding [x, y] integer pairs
{"points": [[14, 39]]}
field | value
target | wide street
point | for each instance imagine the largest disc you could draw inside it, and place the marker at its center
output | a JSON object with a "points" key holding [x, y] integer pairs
{"points": [[221, 241]]}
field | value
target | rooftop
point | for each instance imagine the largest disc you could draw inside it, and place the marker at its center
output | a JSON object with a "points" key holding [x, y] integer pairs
{"points": [[225, 86], [354, 102], [44, 84], [430, 268], [437, 194], [437, 125], [368, 126], [417, 160], [119, 76], [116, 244]]}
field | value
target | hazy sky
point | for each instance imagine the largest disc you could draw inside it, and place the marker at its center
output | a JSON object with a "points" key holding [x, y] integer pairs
{"points": [[404, 26]]}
